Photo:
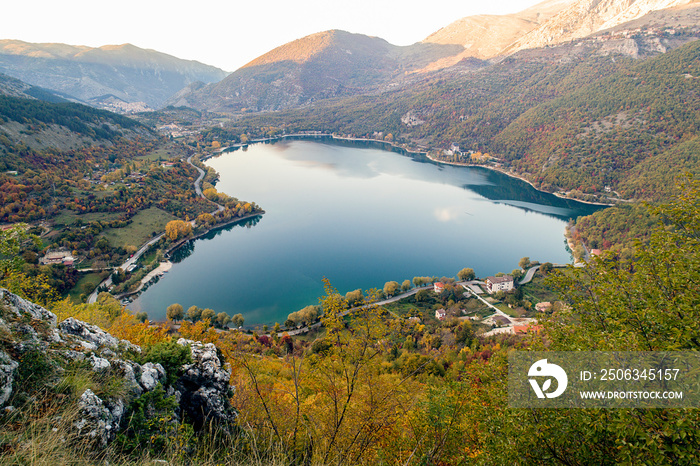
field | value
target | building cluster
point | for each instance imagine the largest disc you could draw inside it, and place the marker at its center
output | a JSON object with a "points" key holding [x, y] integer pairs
{"points": [[176, 131], [58, 257]]}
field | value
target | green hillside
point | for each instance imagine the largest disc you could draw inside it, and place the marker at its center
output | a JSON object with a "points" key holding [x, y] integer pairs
{"points": [[583, 123]]}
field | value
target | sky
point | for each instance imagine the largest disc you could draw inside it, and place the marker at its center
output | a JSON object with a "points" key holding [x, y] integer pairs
{"points": [[229, 34]]}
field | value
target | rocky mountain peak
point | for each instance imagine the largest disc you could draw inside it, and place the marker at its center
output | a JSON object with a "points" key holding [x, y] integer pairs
{"points": [[585, 17]]}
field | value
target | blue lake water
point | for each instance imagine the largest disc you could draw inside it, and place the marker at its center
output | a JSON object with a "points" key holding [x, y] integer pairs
{"points": [[360, 216]]}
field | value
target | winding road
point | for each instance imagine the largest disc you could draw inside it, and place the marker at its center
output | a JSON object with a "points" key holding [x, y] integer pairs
{"points": [[135, 257]]}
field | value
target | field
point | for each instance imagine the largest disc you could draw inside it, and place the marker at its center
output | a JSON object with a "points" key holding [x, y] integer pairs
{"points": [[68, 217], [85, 285], [163, 153], [141, 228], [537, 290]]}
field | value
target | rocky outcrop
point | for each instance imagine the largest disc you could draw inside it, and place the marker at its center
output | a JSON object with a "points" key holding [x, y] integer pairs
{"points": [[91, 337], [202, 391], [20, 307], [204, 385], [7, 369], [99, 420]]}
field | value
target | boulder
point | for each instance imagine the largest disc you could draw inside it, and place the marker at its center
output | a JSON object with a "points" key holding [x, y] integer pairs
{"points": [[202, 391], [91, 337], [20, 306], [204, 385], [98, 420], [7, 371]]}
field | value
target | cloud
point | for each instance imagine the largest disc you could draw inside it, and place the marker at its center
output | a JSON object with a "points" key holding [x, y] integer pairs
{"points": [[446, 214]]}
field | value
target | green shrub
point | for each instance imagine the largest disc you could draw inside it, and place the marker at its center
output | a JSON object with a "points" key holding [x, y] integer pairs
{"points": [[171, 356], [151, 425], [33, 373]]}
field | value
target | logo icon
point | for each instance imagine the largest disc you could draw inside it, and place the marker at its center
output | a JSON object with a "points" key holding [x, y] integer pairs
{"points": [[542, 368]]}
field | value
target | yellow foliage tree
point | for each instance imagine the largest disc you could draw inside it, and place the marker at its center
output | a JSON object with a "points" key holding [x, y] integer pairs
{"points": [[211, 193], [176, 229], [335, 405], [126, 327]]}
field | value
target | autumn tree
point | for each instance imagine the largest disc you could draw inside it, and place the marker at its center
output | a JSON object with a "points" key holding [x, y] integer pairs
{"points": [[615, 303], [174, 312], [11, 242], [222, 319], [390, 288], [194, 313], [354, 297], [208, 314], [237, 320], [176, 229], [333, 404], [306, 315], [524, 263], [466, 274]]}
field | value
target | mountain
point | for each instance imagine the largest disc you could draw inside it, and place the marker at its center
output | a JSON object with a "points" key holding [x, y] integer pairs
{"points": [[328, 64], [339, 64], [35, 119], [486, 36], [125, 72], [13, 87], [601, 112], [583, 18]]}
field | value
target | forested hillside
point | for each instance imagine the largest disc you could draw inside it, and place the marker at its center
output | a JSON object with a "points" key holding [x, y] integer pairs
{"points": [[567, 121], [79, 174]]}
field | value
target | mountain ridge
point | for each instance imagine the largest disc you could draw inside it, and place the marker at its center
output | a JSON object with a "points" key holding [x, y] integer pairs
{"points": [[583, 18], [328, 64], [496, 32], [336, 64], [130, 73]]}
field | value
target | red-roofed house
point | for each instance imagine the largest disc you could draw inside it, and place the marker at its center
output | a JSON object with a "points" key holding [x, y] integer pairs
{"points": [[527, 328], [439, 287]]}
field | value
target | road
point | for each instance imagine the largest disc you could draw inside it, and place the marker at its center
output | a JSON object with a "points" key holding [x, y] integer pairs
{"points": [[198, 185], [528, 276], [133, 259], [348, 311], [497, 311]]}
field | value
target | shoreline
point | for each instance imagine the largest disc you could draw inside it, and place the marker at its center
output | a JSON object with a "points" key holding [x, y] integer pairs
{"points": [[167, 264], [516, 176], [426, 154], [310, 136], [319, 136]]}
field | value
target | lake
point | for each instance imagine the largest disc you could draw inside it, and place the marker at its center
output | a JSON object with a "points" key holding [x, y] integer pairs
{"points": [[360, 216]]}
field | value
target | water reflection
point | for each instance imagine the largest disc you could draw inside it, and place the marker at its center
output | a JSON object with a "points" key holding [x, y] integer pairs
{"points": [[187, 248]]}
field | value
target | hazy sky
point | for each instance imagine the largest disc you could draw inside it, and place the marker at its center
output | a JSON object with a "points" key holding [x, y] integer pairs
{"points": [[228, 34]]}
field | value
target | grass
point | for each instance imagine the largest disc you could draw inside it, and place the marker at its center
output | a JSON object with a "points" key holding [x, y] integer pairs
{"points": [[163, 153], [67, 217], [311, 335], [142, 225], [404, 308], [537, 291], [77, 290]]}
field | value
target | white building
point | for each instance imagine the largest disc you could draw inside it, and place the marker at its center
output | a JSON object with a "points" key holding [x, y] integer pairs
{"points": [[502, 283]]}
